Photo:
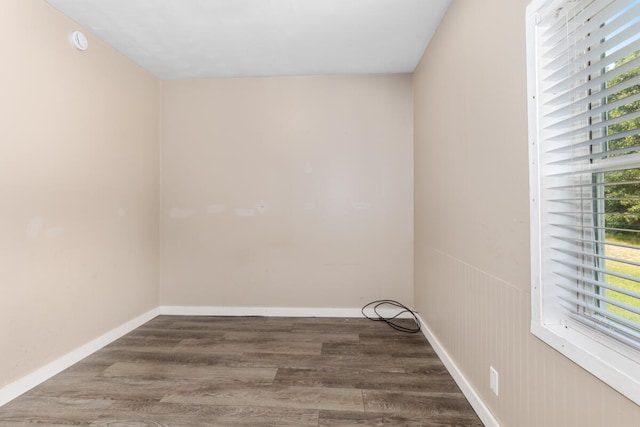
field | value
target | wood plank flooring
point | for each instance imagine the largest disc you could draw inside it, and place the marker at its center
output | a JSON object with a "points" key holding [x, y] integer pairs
{"points": [[251, 371]]}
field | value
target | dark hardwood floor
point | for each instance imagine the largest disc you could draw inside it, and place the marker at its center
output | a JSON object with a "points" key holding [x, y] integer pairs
{"points": [[251, 371]]}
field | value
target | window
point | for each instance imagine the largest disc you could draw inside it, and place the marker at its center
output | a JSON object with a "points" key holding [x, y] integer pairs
{"points": [[584, 120]]}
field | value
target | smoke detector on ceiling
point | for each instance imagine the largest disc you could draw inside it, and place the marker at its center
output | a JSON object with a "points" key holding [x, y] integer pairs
{"points": [[79, 40]]}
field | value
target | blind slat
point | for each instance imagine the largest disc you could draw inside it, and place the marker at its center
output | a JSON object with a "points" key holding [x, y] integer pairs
{"points": [[629, 161], [584, 130], [567, 109], [619, 319], [585, 52], [596, 256], [578, 15], [569, 82], [569, 95], [590, 241], [594, 184], [594, 269], [576, 277], [598, 13], [596, 156], [601, 298], [605, 108], [603, 327], [593, 227], [587, 142]]}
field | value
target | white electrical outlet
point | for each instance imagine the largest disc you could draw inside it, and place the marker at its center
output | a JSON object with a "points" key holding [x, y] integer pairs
{"points": [[493, 380]]}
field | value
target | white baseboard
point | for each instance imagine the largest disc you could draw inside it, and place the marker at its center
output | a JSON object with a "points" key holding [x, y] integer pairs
{"points": [[24, 384], [467, 389], [177, 310]]}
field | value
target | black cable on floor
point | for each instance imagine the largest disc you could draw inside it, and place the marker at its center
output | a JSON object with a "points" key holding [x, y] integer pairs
{"points": [[376, 316]]}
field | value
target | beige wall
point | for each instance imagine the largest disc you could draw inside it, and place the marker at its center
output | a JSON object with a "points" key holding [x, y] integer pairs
{"points": [[330, 159], [471, 223], [78, 189]]}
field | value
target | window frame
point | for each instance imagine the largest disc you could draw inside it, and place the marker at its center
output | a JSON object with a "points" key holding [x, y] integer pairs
{"points": [[608, 359]]}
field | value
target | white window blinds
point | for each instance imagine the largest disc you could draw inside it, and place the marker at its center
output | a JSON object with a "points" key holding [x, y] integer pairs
{"points": [[587, 156]]}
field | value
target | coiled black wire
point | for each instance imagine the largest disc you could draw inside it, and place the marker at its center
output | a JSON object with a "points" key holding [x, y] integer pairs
{"points": [[374, 305]]}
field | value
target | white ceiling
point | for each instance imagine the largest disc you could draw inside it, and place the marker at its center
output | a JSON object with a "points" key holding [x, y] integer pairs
{"points": [[186, 39]]}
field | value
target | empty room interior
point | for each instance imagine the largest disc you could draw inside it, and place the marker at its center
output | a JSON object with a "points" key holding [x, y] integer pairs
{"points": [[137, 193]]}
